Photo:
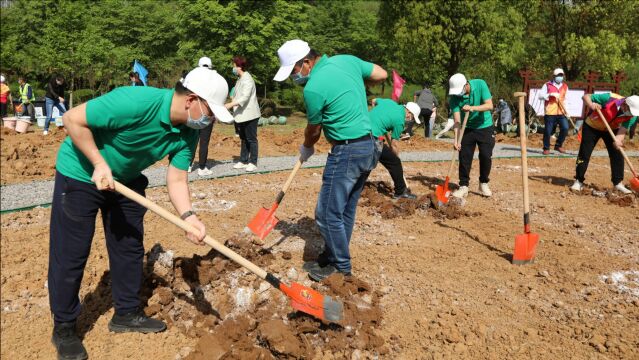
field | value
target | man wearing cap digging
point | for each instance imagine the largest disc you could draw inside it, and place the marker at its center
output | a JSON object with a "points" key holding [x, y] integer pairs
{"points": [[621, 114], [552, 93], [335, 99], [116, 136], [472, 96]]}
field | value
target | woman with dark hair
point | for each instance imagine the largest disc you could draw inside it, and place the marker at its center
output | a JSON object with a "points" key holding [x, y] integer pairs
{"points": [[246, 112]]}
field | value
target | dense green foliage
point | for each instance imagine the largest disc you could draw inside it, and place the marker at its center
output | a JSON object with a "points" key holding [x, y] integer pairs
{"points": [[93, 43]]}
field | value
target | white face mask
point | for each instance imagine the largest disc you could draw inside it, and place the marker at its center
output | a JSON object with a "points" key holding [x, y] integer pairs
{"points": [[200, 123]]}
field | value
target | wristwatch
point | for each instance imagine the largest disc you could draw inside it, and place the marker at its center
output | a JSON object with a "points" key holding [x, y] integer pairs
{"points": [[187, 214]]}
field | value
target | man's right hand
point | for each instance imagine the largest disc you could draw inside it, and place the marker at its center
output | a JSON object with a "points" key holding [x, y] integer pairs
{"points": [[594, 106], [457, 146], [102, 177], [196, 238], [306, 153]]}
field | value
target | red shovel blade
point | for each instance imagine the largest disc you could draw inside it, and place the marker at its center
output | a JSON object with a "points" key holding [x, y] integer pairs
{"points": [[309, 301], [525, 245], [263, 223], [442, 192], [579, 135], [634, 184]]}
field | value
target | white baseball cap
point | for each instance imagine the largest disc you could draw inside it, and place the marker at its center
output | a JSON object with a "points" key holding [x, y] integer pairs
{"points": [[633, 104], [414, 109], [205, 62], [291, 52], [456, 84], [558, 71], [2, 79], [210, 86]]}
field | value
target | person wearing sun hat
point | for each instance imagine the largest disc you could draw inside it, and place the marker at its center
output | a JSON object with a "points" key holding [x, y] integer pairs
{"points": [[115, 137], [472, 96], [388, 116], [552, 93], [335, 99], [621, 114]]}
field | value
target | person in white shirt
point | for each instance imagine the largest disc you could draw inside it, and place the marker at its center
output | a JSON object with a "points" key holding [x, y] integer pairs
{"points": [[246, 111]]}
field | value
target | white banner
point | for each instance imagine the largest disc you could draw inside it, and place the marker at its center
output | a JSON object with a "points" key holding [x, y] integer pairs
{"points": [[574, 104]]}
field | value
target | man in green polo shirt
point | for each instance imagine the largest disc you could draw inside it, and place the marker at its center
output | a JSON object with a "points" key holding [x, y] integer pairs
{"points": [[116, 136], [335, 98], [388, 116], [472, 96]]}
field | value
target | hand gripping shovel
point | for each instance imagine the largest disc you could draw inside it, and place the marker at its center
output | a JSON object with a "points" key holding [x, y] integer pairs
{"points": [[526, 243], [563, 110], [302, 298], [265, 220], [634, 182], [441, 191]]}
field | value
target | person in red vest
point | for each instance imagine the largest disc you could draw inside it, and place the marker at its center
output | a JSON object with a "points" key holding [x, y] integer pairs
{"points": [[552, 92], [621, 114]]}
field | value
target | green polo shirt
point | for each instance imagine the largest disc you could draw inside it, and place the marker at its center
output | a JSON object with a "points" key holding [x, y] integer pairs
{"points": [[479, 93], [603, 98], [387, 116], [132, 129], [335, 97]]}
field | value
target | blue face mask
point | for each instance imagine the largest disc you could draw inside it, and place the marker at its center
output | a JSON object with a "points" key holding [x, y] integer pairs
{"points": [[300, 79], [200, 123], [234, 71], [559, 79]]}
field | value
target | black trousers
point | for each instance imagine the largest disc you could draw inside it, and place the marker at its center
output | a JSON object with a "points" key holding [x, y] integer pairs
{"points": [[205, 137], [393, 164], [485, 140], [424, 116], [589, 139], [248, 135], [74, 208]]}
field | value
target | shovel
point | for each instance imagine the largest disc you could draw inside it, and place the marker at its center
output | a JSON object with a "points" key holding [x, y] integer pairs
{"points": [[526, 243], [563, 110], [634, 182], [441, 191], [303, 298], [265, 220]]}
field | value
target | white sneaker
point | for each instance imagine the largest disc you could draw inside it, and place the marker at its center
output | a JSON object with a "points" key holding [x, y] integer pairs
{"points": [[577, 186], [485, 190], [45, 132], [240, 165], [190, 168], [250, 167], [204, 172], [462, 192], [622, 189]]}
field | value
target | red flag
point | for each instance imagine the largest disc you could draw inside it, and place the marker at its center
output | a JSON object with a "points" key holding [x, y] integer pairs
{"points": [[398, 86]]}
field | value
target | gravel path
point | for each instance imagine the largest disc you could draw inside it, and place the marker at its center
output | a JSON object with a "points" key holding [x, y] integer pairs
{"points": [[38, 193]]}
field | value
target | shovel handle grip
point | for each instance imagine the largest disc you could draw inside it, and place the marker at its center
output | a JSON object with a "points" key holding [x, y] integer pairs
{"points": [[162, 212], [612, 134], [461, 135]]}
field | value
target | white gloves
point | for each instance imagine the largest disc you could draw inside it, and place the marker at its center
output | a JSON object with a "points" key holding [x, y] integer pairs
{"points": [[555, 95], [305, 152]]}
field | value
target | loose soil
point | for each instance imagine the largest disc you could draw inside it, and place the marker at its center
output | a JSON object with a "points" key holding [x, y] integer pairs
{"points": [[425, 286]]}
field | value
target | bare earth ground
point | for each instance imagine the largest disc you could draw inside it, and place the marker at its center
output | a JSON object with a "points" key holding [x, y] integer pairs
{"points": [[426, 285], [31, 156]]}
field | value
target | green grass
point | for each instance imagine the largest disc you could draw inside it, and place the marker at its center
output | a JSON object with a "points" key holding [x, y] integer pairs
{"points": [[295, 121]]}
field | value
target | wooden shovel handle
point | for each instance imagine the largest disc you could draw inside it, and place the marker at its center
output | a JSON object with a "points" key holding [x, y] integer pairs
{"points": [[162, 212], [563, 110], [524, 154], [461, 135], [612, 134], [288, 182]]}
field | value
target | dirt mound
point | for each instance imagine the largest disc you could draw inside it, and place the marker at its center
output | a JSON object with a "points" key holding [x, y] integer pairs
{"points": [[613, 196], [238, 316], [377, 197]]}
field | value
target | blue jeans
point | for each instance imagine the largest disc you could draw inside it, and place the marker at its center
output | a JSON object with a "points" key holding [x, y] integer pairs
{"points": [[551, 122], [346, 171], [49, 104]]}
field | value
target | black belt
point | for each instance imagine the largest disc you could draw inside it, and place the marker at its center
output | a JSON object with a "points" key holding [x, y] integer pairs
{"points": [[351, 141]]}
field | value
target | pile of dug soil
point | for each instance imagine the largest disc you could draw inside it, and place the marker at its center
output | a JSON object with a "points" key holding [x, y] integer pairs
{"points": [[377, 197], [236, 315], [613, 196]]}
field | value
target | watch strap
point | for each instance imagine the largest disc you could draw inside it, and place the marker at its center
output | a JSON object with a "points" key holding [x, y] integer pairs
{"points": [[187, 214]]}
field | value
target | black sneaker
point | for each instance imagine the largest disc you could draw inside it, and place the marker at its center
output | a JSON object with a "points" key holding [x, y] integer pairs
{"points": [[405, 195], [321, 273], [135, 322], [68, 343]]}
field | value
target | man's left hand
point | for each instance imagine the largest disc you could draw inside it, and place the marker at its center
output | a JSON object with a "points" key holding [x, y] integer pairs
{"points": [[618, 144], [196, 238], [467, 108]]}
